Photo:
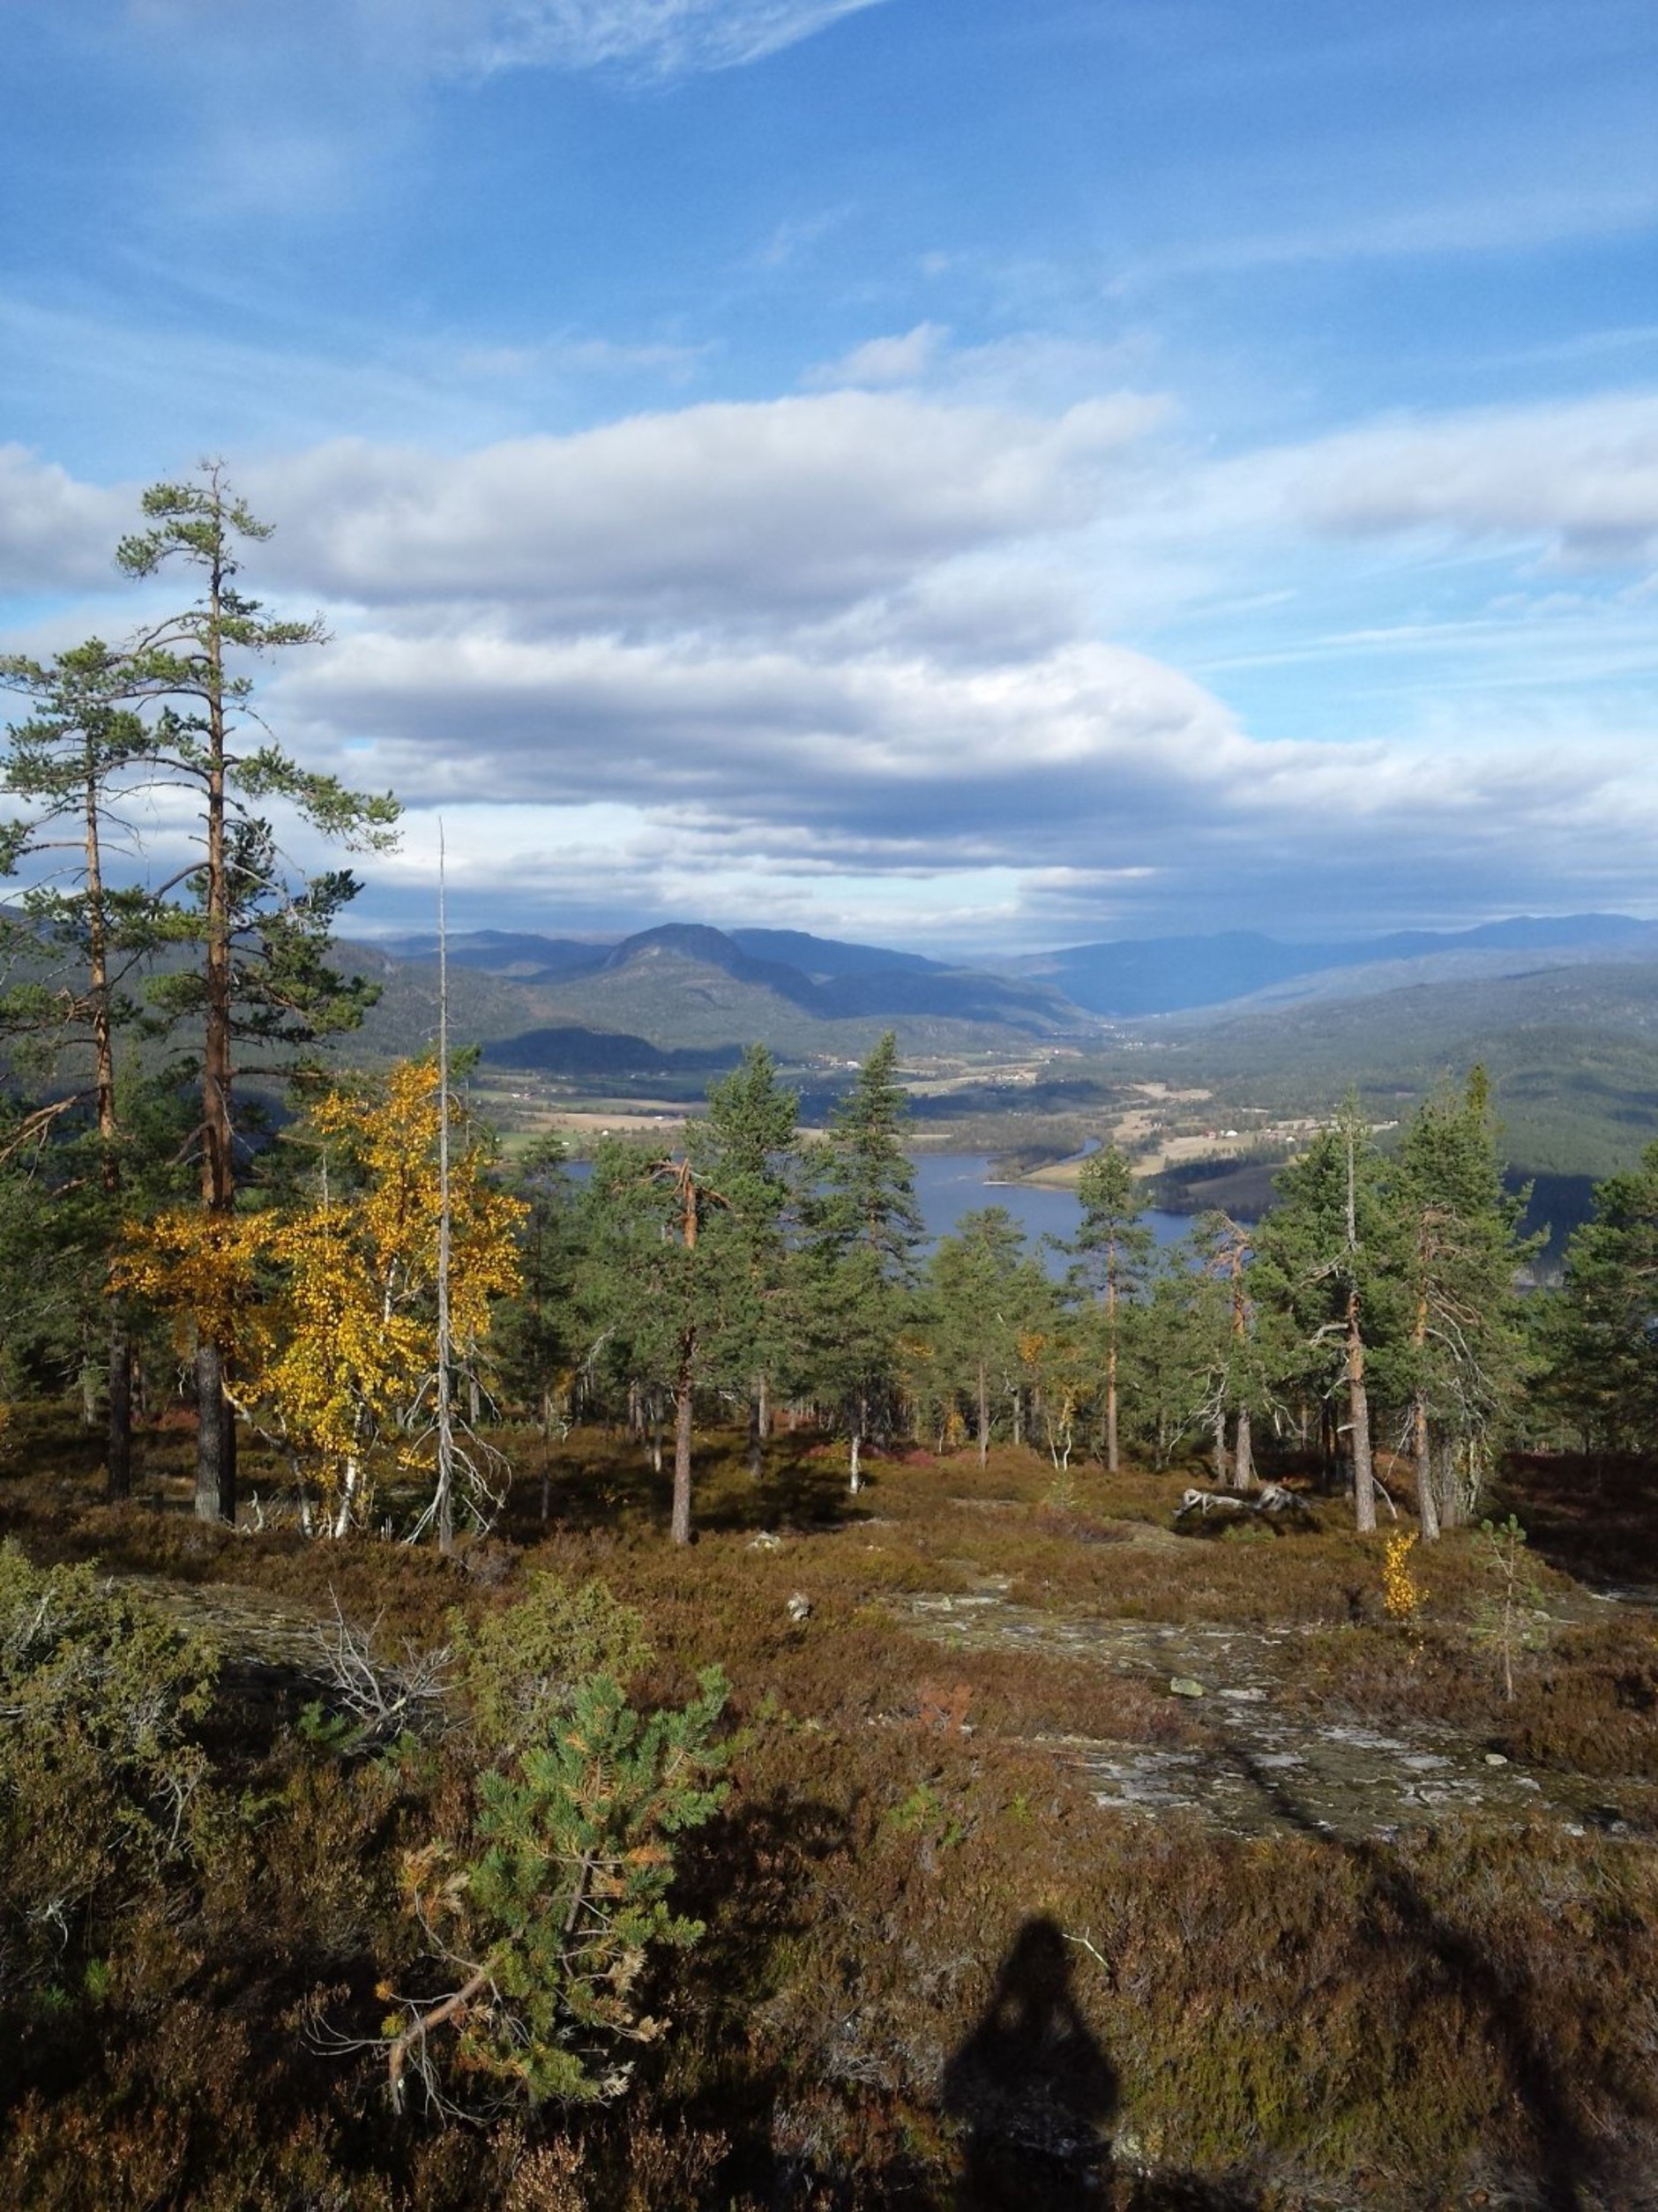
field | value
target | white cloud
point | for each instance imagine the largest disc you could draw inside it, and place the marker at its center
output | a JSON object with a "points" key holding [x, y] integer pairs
{"points": [[846, 638], [722, 512], [1577, 480], [884, 361], [56, 533], [1097, 779]]}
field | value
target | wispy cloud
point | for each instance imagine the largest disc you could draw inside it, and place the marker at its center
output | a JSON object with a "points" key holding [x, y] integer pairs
{"points": [[1577, 480], [1517, 222], [657, 38], [595, 358]]}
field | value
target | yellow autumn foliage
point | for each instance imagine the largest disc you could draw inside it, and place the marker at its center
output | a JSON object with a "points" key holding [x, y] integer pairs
{"points": [[326, 1308]]}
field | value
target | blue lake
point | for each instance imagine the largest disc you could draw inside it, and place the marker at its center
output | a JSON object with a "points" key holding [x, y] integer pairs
{"points": [[949, 1185]]}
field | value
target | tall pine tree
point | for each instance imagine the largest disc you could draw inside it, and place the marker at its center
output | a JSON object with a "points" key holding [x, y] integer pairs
{"points": [[261, 976]]}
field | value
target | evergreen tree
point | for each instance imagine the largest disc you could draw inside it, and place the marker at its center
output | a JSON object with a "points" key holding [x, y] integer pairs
{"points": [[1234, 1370], [263, 978], [1113, 1248], [1329, 1267], [536, 1331], [978, 1301], [1605, 1349], [746, 1149], [1461, 1248], [686, 1255], [80, 936], [861, 1262]]}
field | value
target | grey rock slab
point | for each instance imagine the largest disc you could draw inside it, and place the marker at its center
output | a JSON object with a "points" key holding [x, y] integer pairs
{"points": [[1262, 1770]]}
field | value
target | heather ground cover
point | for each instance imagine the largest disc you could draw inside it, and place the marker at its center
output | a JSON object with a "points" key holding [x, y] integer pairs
{"points": [[957, 1951]]}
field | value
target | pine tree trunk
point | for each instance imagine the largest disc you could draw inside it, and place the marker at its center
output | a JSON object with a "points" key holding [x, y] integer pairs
{"points": [[756, 1456], [1359, 1425], [1427, 1501], [118, 1453], [682, 1402], [1111, 1407], [215, 1438], [1244, 1457], [1451, 1513], [984, 1416], [215, 1432], [1220, 1449]]}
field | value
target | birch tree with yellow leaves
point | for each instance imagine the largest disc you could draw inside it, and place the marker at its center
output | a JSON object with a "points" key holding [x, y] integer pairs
{"points": [[327, 1307]]}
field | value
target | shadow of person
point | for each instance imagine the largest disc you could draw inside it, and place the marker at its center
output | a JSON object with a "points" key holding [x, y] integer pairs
{"points": [[1033, 2088]]}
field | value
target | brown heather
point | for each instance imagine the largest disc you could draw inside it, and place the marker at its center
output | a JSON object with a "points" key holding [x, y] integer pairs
{"points": [[1460, 2014]]}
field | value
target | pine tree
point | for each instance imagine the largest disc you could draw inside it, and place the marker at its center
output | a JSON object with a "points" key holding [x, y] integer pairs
{"points": [[537, 1331], [864, 1229], [263, 978], [1234, 1380], [670, 1299], [67, 762], [978, 1302], [1461, 1248], [1328, 1264], [1605, 1368], [747, 1147], [1113, 1247]]}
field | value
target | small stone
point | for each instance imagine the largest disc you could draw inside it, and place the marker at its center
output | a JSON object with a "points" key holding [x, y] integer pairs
{"points": [[798, 1607], [766, 1541], [1183, 1685], [1494, 1759]]}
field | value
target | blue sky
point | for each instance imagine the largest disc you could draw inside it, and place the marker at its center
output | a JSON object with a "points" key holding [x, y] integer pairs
{"points": [[981, 476]]}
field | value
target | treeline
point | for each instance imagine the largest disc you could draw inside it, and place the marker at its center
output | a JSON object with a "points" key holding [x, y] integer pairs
{"points": [[746, 1275], [1378, 1308]]}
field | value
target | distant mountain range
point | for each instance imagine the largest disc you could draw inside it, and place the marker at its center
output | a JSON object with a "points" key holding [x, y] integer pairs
{"points": [[680, 997], [687, 986], [1131, 978], [1564, 1013]]}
